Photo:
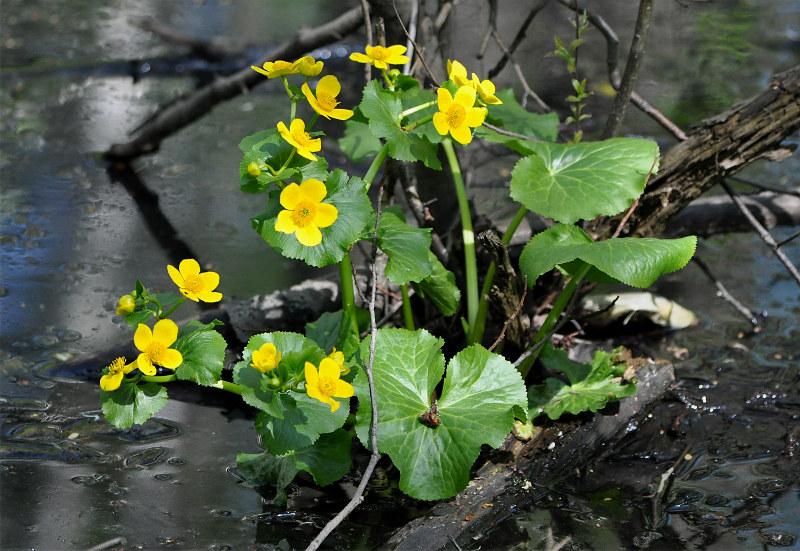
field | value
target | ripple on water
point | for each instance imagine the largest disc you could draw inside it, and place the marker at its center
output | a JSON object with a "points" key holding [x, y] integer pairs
{"points": [[145, 459]]}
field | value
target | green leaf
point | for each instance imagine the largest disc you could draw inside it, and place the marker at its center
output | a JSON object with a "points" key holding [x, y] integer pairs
{"points": [[585, 180], [300, 426], [633, 261], [515, 118], [382, 108], [268, 147], [408, 248], [327, 461], [334, 329], [591, 385], [480, 391], [358, 142], [349, 196], [203, 351], [440, 287], [132, 404], [295, 351]]}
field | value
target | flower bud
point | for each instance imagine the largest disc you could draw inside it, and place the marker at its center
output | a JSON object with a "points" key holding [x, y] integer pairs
{"points": [[126, 305], [253, 169]]}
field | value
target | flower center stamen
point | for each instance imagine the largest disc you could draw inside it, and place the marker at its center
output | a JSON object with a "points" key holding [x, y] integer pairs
{"points": [[327, 386], [303, 214], [155, 351], [456, 115], [194, 283], [326, 100]]}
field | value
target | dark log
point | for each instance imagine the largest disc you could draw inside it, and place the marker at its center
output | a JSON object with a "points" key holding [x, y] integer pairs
{"points": [[559, 449], [718, 214], [717, 148], [192, 107]]}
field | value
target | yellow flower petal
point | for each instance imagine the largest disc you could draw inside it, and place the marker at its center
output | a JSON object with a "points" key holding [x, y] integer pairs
{"points": [[328, 369], [329, 84], [165, 331], [462, 134], [310, 236], [284, 222], [142, 337], [475, 117], [465, 96], [440, 123], [312, 190], [111, 381], [359, 57], [326, 215], [144, 364], [189, 267], [171, 359], [445, 99], [290, 196]]}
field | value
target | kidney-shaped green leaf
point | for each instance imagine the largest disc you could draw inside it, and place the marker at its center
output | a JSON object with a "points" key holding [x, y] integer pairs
{"points": [[570, 182], [480, 391], [633, 261]]}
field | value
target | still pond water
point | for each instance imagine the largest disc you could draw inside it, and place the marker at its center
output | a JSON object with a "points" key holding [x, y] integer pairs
{"points": [[78, 76]]}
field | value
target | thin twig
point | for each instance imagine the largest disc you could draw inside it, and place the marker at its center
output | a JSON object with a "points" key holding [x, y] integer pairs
{"points": [[631, 70], [517, 39], [489, 28], [723, 292], [412, 33], [520, 76], [514, 314], [765, 187], [635, 202], [417, 51], [368, 30], [762, 232], [358, 496]]}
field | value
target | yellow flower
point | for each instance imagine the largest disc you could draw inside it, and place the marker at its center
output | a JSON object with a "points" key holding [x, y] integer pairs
{"points": [[381, 57], [116, 371], [155, 346], [338, 357], [457, 73], [126, 305], [297, 136], [278, 68], [485, 90], [305, 212], [457, 115], [308, 66], [194, 285], [326, 385], [325, 102], [266, 358]]}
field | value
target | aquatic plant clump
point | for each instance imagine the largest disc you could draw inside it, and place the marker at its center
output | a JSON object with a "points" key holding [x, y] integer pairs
{"points": [[434, 413]]}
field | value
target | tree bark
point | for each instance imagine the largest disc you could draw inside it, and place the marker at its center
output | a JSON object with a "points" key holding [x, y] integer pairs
{"points": [[718, 147]]}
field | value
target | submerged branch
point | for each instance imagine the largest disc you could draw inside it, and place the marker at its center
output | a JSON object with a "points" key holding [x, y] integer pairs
{"points": [[190, 108]]}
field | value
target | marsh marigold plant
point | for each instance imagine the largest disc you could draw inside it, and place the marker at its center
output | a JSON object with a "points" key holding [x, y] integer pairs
{"points": [[381, 57]]}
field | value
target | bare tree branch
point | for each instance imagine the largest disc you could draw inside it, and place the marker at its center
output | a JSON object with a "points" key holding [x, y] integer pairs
{"points": [[190, 108]]}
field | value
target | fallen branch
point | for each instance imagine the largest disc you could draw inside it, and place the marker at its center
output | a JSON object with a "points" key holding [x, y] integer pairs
{"points": [[190, 108]]}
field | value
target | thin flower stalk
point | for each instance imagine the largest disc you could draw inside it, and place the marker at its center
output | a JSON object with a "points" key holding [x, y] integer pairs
{"points": [[468, 238]]}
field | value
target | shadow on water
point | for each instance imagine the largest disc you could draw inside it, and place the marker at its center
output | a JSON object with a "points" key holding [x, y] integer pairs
{"points": [[76, 234]]}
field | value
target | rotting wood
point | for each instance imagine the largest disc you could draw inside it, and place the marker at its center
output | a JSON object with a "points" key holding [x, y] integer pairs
{"points": [[554, 452], [718, 147]]}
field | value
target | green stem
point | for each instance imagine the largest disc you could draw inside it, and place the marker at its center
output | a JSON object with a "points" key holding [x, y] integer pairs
{"points": [[159, 378], [412, 110], [468, 237], [553, 316], [376, 164], [483, 307], [408, 316], [228, 386], [174, 306], [346, 285]]}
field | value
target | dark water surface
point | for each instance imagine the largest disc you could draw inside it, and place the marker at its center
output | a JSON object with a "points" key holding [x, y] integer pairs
{"points": [[78, 76]]}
